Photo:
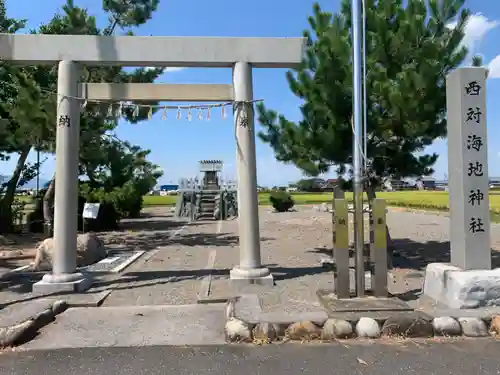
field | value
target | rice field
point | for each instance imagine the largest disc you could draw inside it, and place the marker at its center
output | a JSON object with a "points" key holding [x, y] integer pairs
{"points": [[433, 200]]}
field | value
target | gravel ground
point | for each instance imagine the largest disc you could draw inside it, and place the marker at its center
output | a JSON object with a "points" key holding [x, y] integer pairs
{"points": [[293, 244]]}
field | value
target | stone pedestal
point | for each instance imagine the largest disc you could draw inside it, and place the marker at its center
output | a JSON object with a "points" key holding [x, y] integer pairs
{"points": [[241, 277], [63, 283], [462, 289]]}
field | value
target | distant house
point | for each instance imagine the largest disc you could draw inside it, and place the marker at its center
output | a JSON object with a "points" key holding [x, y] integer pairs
{"points": [[391, 184], [441, 185], [426, 183], [319, 183], [169, 187], [494, 182], [332, 182]]}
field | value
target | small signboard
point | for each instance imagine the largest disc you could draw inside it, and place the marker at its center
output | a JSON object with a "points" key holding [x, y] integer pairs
{"points": [[90, 210]]}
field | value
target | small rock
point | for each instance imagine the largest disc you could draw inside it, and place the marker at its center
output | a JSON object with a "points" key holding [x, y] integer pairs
{"points": [[303, 330], [59, 307], [473, 327], [495, 326], [13, 335], [237, 330], [336, 328], [6, 241], [408, 326], [280, 330], [324, 208], [43, 318], [327, 262], [265, 331], [367, 327], [446, 326]]}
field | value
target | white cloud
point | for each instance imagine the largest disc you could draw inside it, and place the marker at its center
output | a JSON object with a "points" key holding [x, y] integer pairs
{"points": [[174, 69], [475, 31], [494, 68], [169, 69]]}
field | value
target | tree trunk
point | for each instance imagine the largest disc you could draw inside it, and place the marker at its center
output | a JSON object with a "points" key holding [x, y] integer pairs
{"points": [[48, 198], [10, 192], [370, 192]]}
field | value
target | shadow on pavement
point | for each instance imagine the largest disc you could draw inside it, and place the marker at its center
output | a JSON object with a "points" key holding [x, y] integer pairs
{"points": [[151, 240], [417, 255], [409, 254]]}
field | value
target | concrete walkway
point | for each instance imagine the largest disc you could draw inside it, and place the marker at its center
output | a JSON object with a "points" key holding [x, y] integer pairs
{"points": [[130, 326]]}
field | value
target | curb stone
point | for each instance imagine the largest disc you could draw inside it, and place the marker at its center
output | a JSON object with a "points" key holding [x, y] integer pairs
{"points": [[19, 333], [412, 326]]}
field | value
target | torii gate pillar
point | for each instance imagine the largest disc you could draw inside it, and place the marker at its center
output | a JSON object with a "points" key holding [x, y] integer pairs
{"points": [[64, 277], [250, 270]]}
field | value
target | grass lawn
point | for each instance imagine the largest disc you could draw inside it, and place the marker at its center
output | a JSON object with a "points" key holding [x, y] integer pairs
{"points": [[432, 200]]}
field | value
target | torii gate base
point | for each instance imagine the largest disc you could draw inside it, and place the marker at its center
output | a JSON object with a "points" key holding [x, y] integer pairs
{"points": [[240, 54]]}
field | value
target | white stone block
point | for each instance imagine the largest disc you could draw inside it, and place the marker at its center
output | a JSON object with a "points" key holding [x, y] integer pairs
{"points": [[462, 289]]}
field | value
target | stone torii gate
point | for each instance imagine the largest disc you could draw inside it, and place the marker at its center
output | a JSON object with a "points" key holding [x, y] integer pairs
{"points": [[69, 51]]}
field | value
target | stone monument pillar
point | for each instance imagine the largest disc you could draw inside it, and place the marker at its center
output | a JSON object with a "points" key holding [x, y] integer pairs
{"points": [[468, 282], [468, 179]]}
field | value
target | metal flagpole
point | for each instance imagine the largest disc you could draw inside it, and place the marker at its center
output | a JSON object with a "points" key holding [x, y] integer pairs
{"points": [[357, 153], [365, 101]]}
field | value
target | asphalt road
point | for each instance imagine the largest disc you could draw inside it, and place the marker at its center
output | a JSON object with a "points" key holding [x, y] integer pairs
{"points": [[480, 356]]}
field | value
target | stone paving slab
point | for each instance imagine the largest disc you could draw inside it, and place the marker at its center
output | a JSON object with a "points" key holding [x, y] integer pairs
{"points": [[127, 326], [20, 312], [333, 304], [115, 261]]}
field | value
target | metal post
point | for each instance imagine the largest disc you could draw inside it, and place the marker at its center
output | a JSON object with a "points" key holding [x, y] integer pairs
{"points": [[64, 276], [365, 101], [37, 171], [250, 269], [357, 156]]}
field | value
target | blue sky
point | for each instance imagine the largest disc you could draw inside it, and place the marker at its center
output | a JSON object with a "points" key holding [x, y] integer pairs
{"points": [[177, 145]]}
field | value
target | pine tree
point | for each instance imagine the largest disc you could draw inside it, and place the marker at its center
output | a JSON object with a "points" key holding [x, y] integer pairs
{"points": [[410, 50], [27, 107]]}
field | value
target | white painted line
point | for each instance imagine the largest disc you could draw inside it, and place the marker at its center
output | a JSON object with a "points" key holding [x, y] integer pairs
{"points": [[152, 253], [22, 268], [177, 232], [18, 270], [207, 280], [127, 263], [108, 260], [219, 226]]}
